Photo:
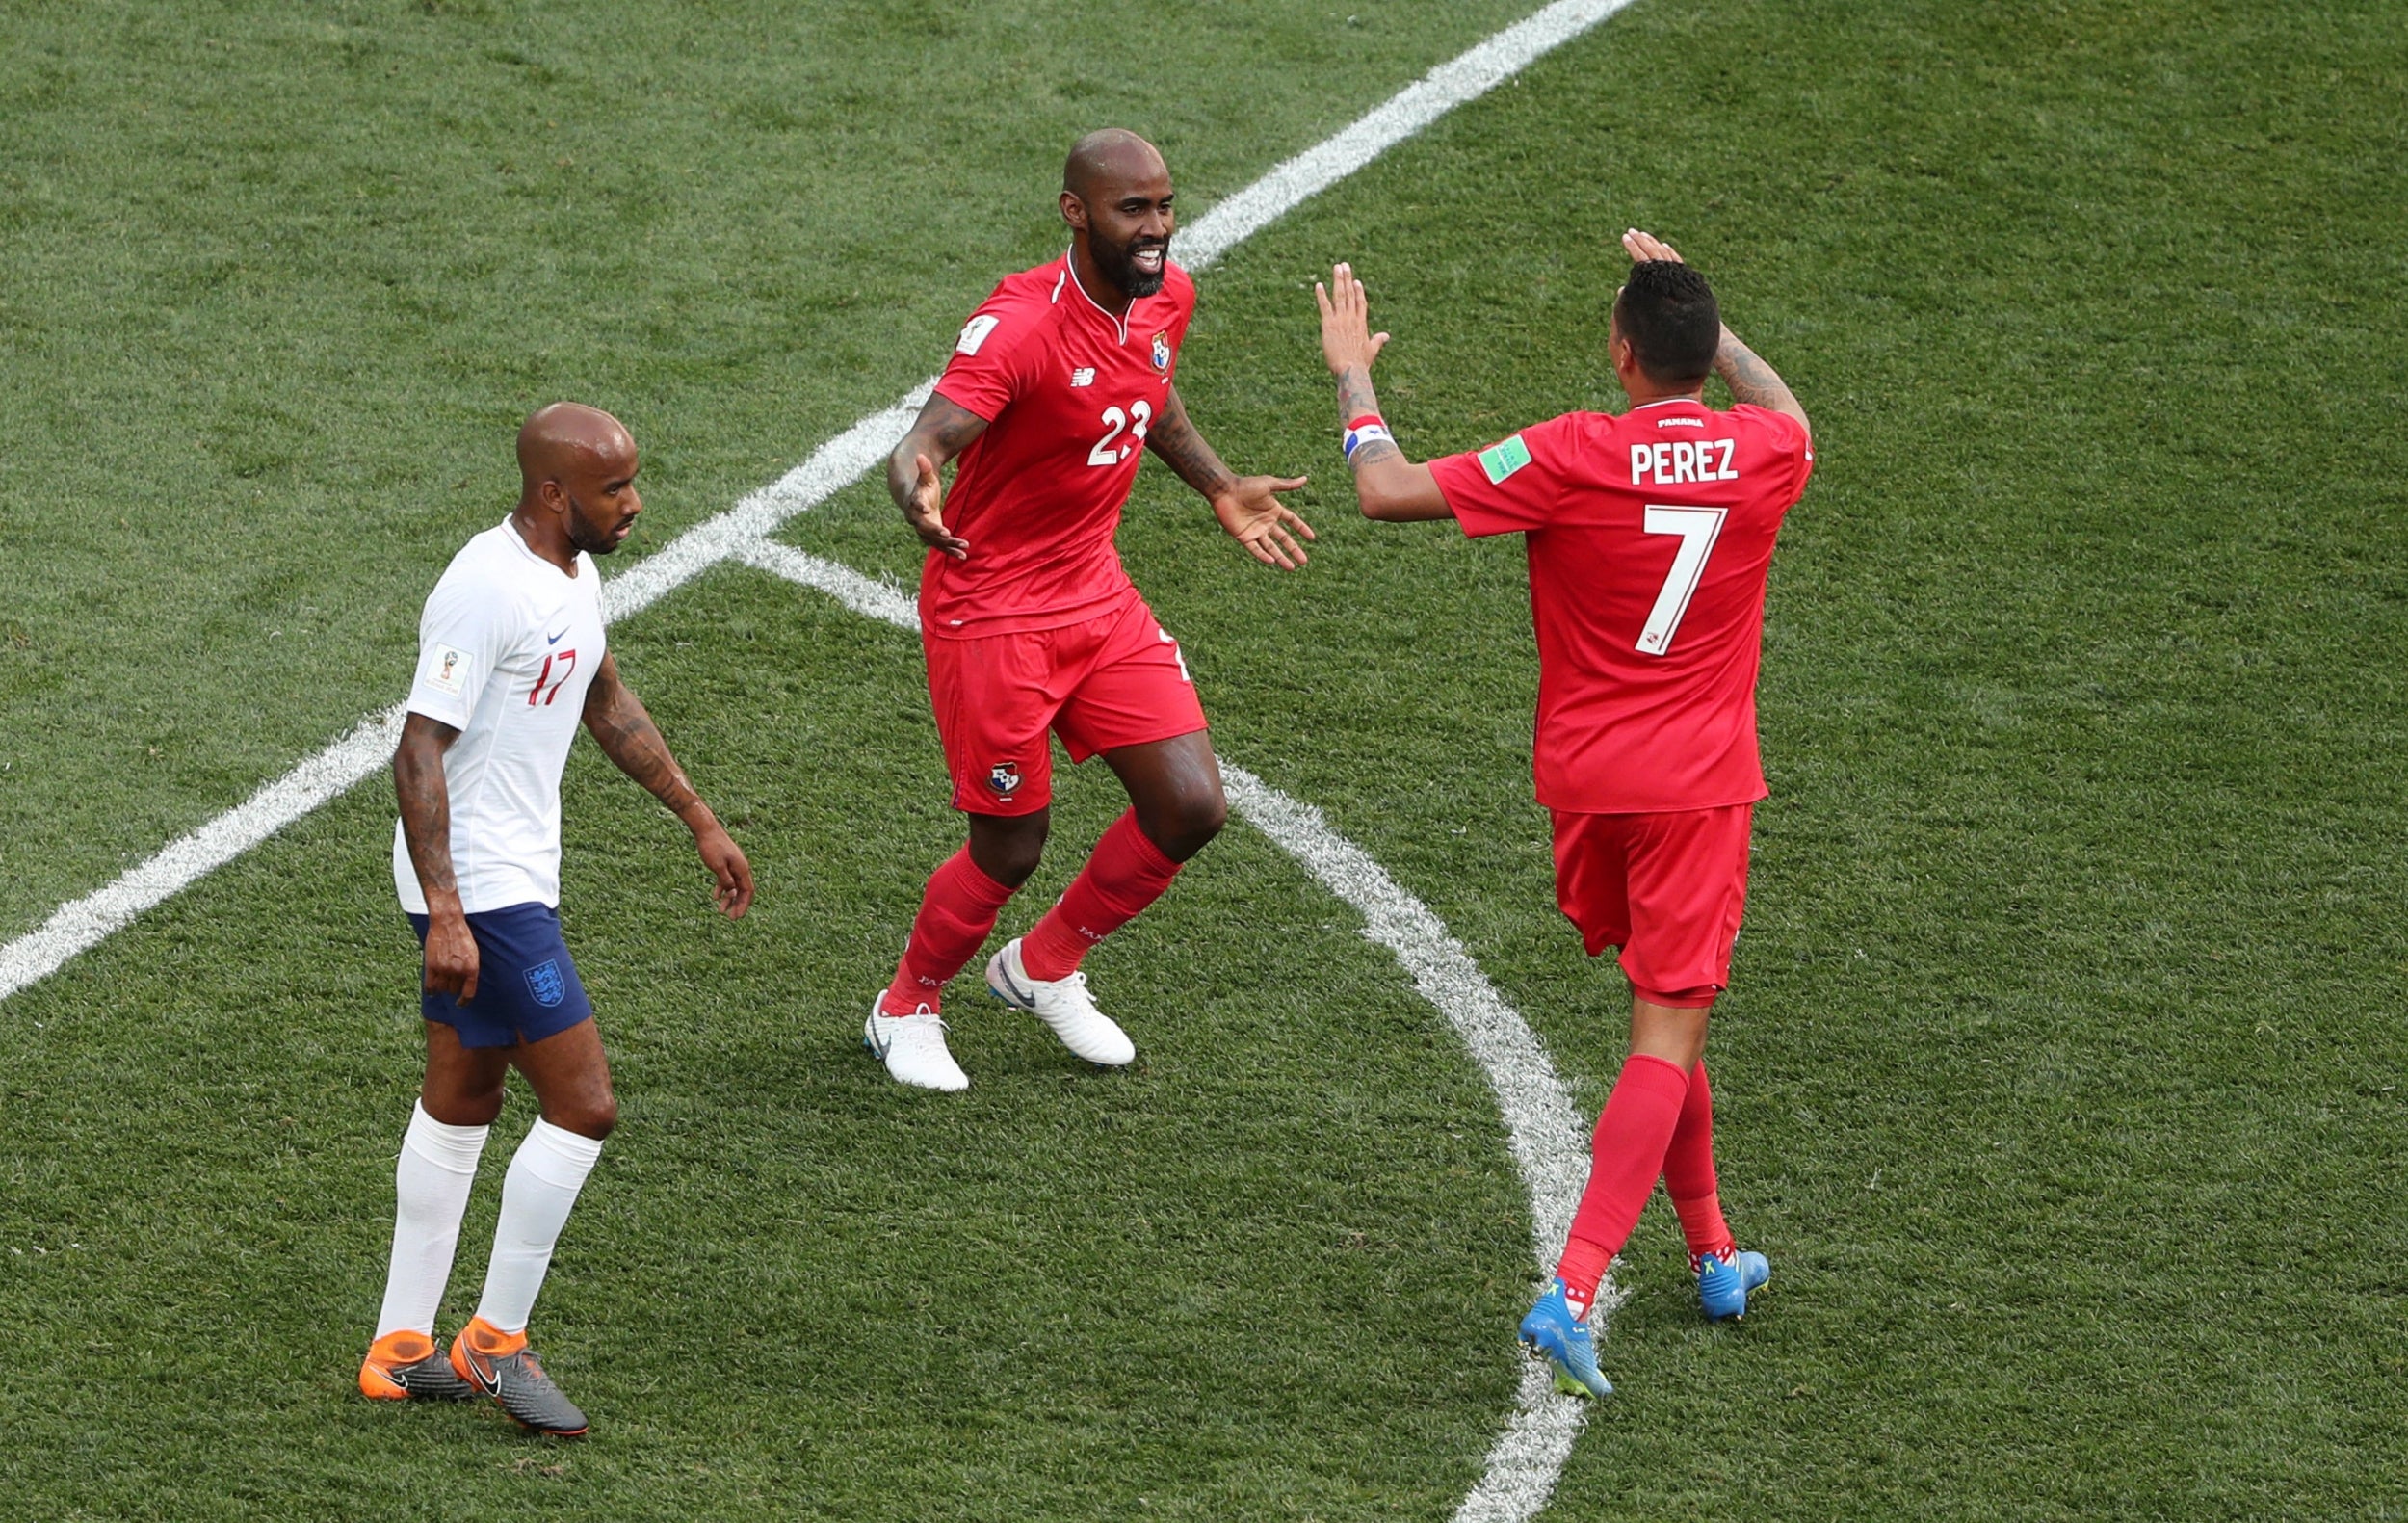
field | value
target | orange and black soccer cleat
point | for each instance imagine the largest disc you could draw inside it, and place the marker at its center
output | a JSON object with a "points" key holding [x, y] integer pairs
{"points": [[405, 1365], [502, 1366]]}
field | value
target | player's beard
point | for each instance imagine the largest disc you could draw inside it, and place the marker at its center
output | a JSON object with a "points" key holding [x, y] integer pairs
{"points": [[585, 535], [1120, 267]]}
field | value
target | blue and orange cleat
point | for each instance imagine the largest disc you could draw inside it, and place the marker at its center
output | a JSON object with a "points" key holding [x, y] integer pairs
{"points": [[1723, 1284], [1551, 1332]]}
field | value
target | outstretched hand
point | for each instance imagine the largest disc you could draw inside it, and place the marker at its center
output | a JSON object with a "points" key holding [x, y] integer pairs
{"points": [[1643, 246], [1348, 341], [926, 513], [1255, 517]]}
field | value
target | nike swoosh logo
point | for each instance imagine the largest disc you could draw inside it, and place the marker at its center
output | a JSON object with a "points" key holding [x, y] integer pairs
{"points": [[554, 639], [395, 1382]]}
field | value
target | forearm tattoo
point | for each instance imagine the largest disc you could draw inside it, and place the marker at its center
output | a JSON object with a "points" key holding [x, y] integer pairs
{"points": [[426, 815], [628, 737], [1174, 438], [1751, 380], [1356, 396]]}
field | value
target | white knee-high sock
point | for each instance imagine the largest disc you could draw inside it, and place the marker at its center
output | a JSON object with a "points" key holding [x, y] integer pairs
{"points": [[548, 1170], [430, 1182]]}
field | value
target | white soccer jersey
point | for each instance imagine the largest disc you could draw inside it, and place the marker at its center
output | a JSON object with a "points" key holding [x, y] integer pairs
{"points": [[506, 647]]}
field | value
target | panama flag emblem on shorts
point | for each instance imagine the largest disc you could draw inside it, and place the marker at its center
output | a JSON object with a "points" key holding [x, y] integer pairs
{"points": [[1004, 778], [1161, 352], [546, 984]]}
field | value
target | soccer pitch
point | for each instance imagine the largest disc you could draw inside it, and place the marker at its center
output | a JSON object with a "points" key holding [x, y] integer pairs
{"points": [[2062, 1076]]}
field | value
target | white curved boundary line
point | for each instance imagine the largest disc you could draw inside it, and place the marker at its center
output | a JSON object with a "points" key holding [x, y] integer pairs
{"points": [[83, 923], [1544, 1128]]}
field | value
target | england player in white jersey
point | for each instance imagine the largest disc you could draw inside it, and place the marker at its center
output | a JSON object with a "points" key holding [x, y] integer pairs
{"points": [[511, 662]]}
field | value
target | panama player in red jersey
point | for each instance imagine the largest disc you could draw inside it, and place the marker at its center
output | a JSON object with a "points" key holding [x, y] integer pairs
{"points": [[1059, 382], [1649, 535]]}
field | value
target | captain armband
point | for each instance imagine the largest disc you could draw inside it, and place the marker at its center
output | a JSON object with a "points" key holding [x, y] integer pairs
{"points": [[1363, 431]]}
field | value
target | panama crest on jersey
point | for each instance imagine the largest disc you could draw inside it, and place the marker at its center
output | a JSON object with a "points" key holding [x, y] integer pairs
{"points": [[1004, 778], [546, 984], [1161, 352]]}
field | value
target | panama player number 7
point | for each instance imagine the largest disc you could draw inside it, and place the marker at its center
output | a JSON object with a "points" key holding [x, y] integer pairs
{"points": [[1698, 529]]}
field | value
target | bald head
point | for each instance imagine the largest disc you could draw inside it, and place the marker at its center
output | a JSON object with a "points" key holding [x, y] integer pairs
{"points": [[577, 481], [1116, 196], [569, 437], [1103, 161]]}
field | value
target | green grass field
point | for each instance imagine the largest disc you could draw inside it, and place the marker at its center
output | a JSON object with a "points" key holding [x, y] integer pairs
{"points": [[2063, 1074]]}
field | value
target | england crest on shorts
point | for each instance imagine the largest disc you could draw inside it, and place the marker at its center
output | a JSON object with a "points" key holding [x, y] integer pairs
{"points": [[1004, 778], [546, 984], [1161, 352]]}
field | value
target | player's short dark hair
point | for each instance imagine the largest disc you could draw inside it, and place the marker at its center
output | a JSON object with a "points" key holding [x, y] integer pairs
{"points": [[1670, 314]]}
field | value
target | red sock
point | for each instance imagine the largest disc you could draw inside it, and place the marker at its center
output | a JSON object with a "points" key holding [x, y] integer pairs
{"points": [[955, 913], [1626, 1154], [1126, 873], [1688, 1174]]}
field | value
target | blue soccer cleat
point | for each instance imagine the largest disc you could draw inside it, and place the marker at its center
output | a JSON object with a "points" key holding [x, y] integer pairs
{"points": [[1551, 1332], [1722, 1287]]}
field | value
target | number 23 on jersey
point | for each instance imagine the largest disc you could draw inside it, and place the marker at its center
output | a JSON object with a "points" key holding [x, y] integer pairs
{"points": [[1110, 450]]}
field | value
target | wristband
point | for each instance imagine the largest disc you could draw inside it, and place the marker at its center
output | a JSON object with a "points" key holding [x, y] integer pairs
{"points": [[1363, 431]]}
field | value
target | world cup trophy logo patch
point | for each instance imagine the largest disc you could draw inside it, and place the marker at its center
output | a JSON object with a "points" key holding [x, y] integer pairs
{"points": [[1004, 778], [546, 984], [1161, 352]]}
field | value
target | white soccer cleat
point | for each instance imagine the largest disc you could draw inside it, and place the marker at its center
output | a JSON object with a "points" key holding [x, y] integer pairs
{"points": [[912, 1047], [1062, 1004]]}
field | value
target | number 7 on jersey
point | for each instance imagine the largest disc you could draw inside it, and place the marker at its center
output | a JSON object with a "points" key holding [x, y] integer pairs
{"points": [[1698, 529]]}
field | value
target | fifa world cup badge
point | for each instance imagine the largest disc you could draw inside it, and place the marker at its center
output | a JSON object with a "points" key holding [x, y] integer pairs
{"points": [[1161, 352]]}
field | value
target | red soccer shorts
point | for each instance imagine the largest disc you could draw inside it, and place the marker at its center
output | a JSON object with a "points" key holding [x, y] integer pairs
{"points": [[1665, 888], [1115, 680]]}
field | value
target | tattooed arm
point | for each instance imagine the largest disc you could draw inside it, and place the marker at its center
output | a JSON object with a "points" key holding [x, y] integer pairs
{"points": [[1751, 380], [418, 786], [1389, 487], [628, 737], [943, 430], [1246, 506]]}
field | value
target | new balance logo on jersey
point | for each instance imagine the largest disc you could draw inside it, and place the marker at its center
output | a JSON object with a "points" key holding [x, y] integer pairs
{"points": [[1004, 778], [1084, 376]]}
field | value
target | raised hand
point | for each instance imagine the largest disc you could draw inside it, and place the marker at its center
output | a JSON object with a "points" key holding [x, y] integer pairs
{"points": [[1258, 520], [924, 511], [1348, 341], [1643, 246]]}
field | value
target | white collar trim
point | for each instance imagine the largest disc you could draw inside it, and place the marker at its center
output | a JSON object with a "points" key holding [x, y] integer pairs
{"points": [[1070, 272]]}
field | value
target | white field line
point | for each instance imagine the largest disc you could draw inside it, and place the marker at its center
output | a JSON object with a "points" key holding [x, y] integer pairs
{"points": [[83, 923], [1541, 1122], [1543, 1127]]}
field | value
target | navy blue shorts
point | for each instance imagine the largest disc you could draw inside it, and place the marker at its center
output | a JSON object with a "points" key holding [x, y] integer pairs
{"points": [[527, 988]]}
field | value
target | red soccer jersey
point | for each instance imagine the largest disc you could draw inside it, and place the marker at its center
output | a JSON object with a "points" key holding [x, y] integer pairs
{"points": [[1650, 536], [1068, 392]]}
